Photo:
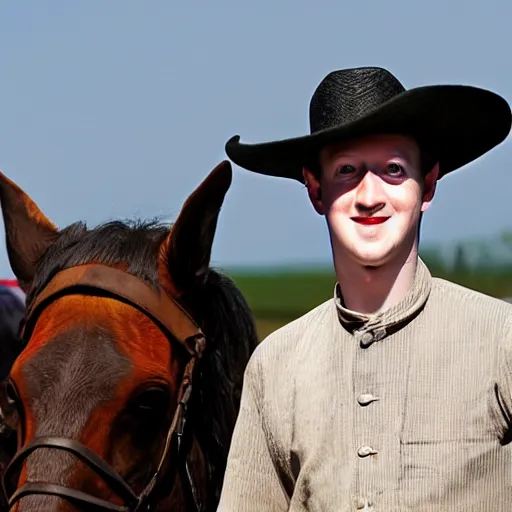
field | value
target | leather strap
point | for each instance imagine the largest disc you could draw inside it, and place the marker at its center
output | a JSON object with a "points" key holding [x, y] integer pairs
{"points": [[98, 465], [132, 502], [81, 500], [88, 279]]}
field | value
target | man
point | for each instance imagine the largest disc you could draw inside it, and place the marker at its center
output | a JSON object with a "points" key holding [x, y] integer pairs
{"points": [[395, 395], [12, 311]]}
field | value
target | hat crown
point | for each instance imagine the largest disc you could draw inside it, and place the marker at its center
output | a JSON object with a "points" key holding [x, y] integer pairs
{"points": [[346, 95]]}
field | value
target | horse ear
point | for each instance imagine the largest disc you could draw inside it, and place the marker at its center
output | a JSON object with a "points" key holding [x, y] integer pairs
{"points": [[185, 254], [28, 232]]}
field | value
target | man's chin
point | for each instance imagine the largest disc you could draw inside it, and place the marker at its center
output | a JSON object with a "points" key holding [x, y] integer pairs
{"points": [[373, 260]]}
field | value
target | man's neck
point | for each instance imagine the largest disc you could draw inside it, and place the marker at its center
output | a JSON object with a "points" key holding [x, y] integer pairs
{"points": [[371, 290]]}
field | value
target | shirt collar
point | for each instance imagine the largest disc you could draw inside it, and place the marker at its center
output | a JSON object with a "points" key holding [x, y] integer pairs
{"points": [[398, 313]]}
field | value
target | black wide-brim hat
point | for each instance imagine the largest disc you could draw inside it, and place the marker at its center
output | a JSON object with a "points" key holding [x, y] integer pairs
{"points": [[458, 123]]}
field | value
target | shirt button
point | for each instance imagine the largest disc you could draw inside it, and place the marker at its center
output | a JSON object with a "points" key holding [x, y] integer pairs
{"points": [[364, 451], [366, 339], [363, 504], [366, 398]]}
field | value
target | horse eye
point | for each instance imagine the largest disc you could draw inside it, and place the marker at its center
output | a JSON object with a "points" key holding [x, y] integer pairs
{"points": [[10, 408], [154, 399], [11, 395]]}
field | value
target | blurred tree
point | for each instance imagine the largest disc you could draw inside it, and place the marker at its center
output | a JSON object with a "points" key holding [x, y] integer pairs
{"points": [[460, 262], [433, 258], [506, 238]]}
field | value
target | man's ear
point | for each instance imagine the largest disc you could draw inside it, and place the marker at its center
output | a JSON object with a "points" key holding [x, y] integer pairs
{"points": [[430, 187], [314, 191]]}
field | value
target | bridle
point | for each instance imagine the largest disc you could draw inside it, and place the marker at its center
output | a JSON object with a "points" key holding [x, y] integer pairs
{"points": [[176, 324]]}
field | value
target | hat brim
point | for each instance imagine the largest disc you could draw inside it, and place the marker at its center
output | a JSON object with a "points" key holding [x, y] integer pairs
{"points": [[460, 123]]}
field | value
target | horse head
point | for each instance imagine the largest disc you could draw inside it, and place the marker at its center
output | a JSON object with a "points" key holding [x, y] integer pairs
{"points": [[127, 390]]}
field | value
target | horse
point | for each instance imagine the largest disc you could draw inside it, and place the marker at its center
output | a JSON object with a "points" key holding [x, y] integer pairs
{"points": [[127, 390]]}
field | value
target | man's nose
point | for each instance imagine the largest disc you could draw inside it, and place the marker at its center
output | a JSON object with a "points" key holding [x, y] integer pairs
{"points": [[370, 193]]}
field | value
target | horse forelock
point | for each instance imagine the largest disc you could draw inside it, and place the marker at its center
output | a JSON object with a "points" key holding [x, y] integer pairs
{"points": [[132, 246]]}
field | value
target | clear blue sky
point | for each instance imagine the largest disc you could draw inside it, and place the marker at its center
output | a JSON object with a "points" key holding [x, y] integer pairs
{"points": [[119, 108]]}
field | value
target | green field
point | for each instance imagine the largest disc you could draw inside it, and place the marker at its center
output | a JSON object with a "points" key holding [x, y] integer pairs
{"points": [[279, 297]]}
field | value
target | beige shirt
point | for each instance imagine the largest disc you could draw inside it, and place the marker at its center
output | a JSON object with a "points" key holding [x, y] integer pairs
{"points": [[408, 410]]}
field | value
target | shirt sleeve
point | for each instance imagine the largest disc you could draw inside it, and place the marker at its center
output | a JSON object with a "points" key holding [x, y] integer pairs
{"points": [[251, 482]]}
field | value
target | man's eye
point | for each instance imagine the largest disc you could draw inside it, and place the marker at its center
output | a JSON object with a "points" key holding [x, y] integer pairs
{"points": [[394, 169], [346, 169]]}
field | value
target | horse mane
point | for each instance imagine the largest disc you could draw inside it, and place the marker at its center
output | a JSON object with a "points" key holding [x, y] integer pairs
{"points": [[216, 303]]}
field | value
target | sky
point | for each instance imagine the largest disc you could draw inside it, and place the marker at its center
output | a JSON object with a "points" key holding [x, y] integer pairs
{"points": [[119, 109]]}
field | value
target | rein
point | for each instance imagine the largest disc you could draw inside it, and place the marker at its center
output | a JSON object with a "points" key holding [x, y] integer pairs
{"points": [[177, 324]]}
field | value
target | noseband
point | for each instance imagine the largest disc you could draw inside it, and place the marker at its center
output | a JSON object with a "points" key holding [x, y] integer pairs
{"points": [[177, 325]]}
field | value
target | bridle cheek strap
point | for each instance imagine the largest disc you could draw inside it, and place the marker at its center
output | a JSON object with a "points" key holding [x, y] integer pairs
{"points": [[79, 499], [101, 280]]}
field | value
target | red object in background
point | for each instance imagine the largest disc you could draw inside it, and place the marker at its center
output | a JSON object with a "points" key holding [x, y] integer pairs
{"points": [[9, 282]]}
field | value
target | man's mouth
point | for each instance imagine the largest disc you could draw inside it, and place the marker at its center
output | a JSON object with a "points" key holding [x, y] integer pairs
{"points": [[370, 221]]}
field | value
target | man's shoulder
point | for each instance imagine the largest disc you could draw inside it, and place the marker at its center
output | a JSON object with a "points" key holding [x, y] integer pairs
{"points": [[279, 346], [289, 334], [468, 300]]}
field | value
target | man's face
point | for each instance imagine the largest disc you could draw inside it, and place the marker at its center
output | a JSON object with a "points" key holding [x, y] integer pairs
{"points": [[372, 194]]}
